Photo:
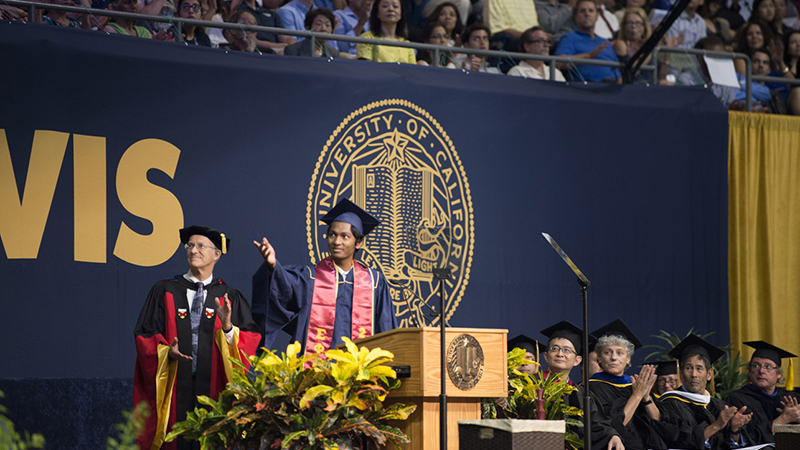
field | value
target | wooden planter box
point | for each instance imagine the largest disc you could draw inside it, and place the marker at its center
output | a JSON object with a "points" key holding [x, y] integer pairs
{"points": [[511, 434]]}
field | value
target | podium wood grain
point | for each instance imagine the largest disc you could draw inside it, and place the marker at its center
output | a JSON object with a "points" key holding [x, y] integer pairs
{"points": [[420, 349]]}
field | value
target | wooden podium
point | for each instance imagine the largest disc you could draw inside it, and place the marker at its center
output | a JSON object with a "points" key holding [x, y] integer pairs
{"points": [[420, 349]]}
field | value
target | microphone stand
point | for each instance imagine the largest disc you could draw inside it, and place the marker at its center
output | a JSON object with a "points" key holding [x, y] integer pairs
{"points": [[584, 282], [404, 287], [442, 275]]}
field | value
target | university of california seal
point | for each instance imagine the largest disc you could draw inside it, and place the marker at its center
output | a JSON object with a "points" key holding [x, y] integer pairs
{"points": [[465, 361], [396, 162]]}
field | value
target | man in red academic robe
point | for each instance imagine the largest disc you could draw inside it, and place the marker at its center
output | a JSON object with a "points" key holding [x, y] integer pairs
{"points": [[188, 328]]}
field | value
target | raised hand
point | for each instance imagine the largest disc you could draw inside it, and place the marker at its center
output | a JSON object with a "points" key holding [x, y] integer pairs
{"points": [[224, 312], [790, 409], [643, 383], [740, 419], [267, 252]]}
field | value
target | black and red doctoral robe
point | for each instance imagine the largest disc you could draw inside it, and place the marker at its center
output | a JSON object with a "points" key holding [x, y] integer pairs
{"points": [[167, 386]]}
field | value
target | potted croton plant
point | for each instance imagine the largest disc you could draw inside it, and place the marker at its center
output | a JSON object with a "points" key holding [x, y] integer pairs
{"points": [[302, 402], [534, 397]]}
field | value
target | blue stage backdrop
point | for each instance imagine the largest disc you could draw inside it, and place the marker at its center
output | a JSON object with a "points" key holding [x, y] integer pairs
{"points": [[110, 144]]}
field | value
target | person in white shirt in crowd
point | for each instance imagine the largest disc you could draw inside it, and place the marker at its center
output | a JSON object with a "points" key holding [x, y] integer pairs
{"points": [[535, 41], [607, 24]]}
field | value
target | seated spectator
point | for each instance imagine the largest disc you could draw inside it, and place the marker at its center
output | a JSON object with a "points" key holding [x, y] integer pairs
{"points": [[507, 19], [387, 21], [556, 17], [792, 62], [584, 44], [318, 20], [164, 8], [716, 25], [761, 66], [435, 34], [736, 12], [635, 31], [777, 22], [353, 21], [59, 18], [689, 27], [448, 17], [126, 26], [475, 36], [753, 36], [432, 9], [535, 41], [266, 16], [192, 35], [607, 25], [241, 40], [763, 10], [293, 14]]}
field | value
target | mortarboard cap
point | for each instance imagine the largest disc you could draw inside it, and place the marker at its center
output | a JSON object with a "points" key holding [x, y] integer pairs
{"points": [[769, 351], [618, 328], [666, 367], [695, 345], [218, 239], [565, 330], [348, 212], [525, 343]]}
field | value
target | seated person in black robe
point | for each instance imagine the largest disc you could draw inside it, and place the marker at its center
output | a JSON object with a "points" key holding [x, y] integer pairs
{"points": [[768, 403], [626, 400], [702, 420], [666, 377], [562, 355]]}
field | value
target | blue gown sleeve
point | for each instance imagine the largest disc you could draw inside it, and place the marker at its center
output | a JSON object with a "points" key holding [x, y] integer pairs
{"points": [[279, 295], [385, 318]]}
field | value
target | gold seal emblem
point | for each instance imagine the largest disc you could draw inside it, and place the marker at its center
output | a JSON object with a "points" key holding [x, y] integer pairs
{"points": [[465, 362], [396, 162]]}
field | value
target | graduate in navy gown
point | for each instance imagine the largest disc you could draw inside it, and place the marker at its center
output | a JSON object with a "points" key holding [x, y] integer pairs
{"points": [[339, 297]]}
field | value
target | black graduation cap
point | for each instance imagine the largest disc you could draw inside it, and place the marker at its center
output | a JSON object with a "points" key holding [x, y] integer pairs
{"points": [[769, 351], [565, 330], [218, 239], [666, 367], [618, 328], [348, 212], [525, 343], [695, 345]]}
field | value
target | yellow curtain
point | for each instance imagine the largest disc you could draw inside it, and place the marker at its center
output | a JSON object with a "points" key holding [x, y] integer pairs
{"points": [[764, 231]]}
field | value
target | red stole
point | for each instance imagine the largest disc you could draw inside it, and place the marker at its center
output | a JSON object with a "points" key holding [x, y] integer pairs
{"points": [[323, 306]]}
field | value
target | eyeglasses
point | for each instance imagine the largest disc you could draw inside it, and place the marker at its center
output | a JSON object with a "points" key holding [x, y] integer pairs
{"points": [[186, 7], [634, 24], [200, 247], [541, 41], [757, 367], [555, 349]]}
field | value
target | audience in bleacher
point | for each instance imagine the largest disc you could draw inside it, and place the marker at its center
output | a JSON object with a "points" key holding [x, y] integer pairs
{"points": [[266, 16], [448, 17], [353, 21], [555, 17], [192, 35], [576, 30], [242, 40], [583, 43], [387, 21], [318, 20], [475, 36], [535, 41], [435, 34]]}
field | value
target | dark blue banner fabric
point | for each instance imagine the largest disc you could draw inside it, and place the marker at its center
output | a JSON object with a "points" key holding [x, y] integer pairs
{"points": [[110, 144]]}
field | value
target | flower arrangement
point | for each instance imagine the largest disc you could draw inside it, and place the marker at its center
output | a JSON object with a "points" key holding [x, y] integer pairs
{"points": [[534, 396], [302, 402]]}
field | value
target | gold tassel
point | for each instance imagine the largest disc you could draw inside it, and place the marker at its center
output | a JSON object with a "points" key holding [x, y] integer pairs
{"points": [[224, 244], [678, 374], [537, 351], [713, 387], [790, 377]]}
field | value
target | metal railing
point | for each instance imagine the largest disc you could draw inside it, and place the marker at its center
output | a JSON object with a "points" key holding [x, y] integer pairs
{"points": [[437, 50]]}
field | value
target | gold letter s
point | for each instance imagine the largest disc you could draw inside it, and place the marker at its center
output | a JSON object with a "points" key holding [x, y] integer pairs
{"points": [[148, 201]]}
